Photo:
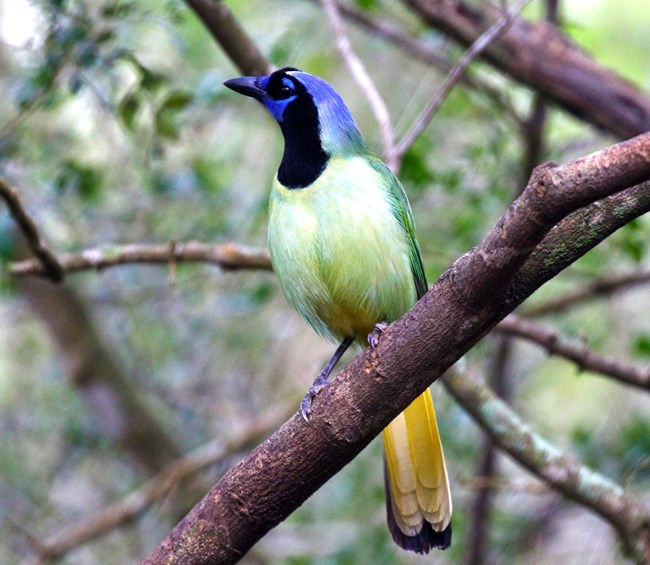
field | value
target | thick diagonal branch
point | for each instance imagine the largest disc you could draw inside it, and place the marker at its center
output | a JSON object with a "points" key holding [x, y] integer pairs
{"points": [[466, 302]]}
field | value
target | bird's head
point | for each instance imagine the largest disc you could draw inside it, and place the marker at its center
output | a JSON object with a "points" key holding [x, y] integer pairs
{"points": [[304, 104]]}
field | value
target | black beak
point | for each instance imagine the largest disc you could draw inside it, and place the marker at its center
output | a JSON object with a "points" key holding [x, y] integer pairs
{"points": [[246, 86]]}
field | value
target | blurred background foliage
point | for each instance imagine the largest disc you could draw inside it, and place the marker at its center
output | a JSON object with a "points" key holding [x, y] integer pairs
{"points": [[116, 128]]}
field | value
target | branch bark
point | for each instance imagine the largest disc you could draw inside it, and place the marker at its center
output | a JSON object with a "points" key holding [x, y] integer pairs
{"points": [[48, 262], [576, 481], [582, 356], [228, 256], [542, 57], [465, 303], [233, 39], [481, 509]]}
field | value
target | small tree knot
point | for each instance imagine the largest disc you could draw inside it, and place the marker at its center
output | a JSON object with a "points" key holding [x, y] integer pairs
{"points": [[541, 177]]}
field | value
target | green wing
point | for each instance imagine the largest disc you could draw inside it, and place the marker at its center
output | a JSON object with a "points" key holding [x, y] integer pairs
{"points": [[402, 211]]}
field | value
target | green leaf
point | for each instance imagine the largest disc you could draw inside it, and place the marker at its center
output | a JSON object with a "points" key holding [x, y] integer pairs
{"points": [[118, 9], [166, 125], [128, 109], [82, 179], [415, 169], [642, 344], [177, 100], [367, 4], [151, 80], [262, 292]]}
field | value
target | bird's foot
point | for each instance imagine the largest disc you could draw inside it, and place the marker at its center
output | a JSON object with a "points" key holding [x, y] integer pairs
{"points": [[373, 336], [305, 406]]}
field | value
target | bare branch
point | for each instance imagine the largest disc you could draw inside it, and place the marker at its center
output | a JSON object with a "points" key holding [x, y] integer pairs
{"points": [[578, 482], [232, 38], [604, 286], [455, 75], [586, 359], [51, 268], [363, 79], [168, 480], [228, 256]]}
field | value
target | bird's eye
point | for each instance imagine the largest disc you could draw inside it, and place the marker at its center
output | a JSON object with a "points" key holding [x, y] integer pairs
{"points": [[284, 92]]}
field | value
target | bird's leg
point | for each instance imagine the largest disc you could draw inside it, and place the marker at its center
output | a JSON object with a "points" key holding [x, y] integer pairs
{"points": [[321, 380], [373, 336]]}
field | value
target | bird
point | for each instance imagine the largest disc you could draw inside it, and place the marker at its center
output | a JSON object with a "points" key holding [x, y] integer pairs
{"points": [[343, 246]]}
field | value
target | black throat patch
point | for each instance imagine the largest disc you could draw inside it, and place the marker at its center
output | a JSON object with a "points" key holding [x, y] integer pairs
{"points": [[304, 158]]}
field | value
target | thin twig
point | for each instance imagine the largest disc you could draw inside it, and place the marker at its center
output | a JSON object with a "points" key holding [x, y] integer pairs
{"points": [[361, 76], [427, 52], [50, 265], [585, 358], [228, 256], [455, 75]]}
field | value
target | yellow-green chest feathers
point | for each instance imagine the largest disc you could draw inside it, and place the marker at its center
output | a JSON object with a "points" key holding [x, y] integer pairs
{"points": [[343, 248]]}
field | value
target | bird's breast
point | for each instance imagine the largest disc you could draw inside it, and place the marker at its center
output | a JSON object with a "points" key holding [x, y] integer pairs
{"points": [[339, 252]]}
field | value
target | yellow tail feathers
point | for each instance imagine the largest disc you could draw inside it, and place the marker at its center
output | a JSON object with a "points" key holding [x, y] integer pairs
{"points": [[418, 500]]}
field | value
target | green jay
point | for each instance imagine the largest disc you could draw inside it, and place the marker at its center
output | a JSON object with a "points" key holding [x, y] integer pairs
{"points": [[343, 247]]}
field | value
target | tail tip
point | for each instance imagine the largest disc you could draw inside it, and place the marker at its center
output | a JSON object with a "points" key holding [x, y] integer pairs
{"points": [[424, 541]]}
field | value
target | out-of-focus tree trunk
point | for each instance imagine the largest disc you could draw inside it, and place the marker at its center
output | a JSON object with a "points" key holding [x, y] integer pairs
{"points": [[111, 395], [488, 468]]}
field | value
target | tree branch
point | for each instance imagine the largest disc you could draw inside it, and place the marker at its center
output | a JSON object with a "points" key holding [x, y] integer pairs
{"points": [[232, 38], [466, 302], [562, 472], [542, 57], [587, 360], [228, 256], [50, 266]]}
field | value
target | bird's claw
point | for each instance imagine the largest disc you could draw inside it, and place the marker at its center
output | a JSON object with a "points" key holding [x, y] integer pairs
{"points": [[373, 336], [305, 406]]}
